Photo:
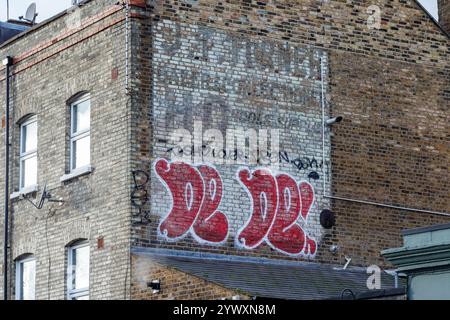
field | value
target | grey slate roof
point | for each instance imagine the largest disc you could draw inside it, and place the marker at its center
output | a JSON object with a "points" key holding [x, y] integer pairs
{"points": [[268, 278], [9, 30]]}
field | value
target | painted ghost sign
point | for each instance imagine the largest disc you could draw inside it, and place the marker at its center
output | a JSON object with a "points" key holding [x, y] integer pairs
{"points": [[225, 103]]}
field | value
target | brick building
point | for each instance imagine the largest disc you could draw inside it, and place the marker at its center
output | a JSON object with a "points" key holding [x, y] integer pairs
{"points": [[221, 149], [444, 14]]}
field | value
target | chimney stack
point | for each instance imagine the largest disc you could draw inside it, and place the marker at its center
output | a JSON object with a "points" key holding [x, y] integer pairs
{"points": [[444, 14]]}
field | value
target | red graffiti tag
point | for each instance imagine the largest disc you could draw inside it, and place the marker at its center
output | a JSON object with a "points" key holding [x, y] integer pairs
{"points": [[211, 225], [186, 187], [307, 196], [277, 206], [311, 246], [286, 235], [196, 196], [262, 188]]}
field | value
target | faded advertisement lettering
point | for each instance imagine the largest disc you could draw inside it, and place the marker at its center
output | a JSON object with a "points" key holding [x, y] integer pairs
{"points": [[239, 160]]}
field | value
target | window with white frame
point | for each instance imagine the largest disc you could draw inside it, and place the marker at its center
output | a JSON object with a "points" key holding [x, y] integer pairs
{"points": [[28, 153], [25, 278], [78, 271], [80, 133]]}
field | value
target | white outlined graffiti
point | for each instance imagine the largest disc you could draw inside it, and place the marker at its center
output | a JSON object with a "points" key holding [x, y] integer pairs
{"points": [[282, 231], [279, 208], [194, 204]]}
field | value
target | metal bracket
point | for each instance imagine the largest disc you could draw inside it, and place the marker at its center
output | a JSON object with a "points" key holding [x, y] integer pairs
{"points": [[45, 195]]}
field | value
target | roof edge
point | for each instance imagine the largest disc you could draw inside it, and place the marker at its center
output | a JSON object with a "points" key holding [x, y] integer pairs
{"points": [[433, 19], [151, 251], [42, 24], [374, 294], [431, 228], [83, 2]]}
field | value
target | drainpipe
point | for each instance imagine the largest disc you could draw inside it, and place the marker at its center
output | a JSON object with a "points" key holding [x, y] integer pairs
{"points": [[8, 61], [322, 104], [127, 45]]}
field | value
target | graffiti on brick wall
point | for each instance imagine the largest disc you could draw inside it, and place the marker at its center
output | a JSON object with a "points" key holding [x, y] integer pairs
{"points": [[139, 196], [300, 163], [278, 203], [196, 193], [227, 105], [266, 119]]}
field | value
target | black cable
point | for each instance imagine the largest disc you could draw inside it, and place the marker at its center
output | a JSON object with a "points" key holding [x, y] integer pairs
{"points": [[49, 214], [347, 290]]}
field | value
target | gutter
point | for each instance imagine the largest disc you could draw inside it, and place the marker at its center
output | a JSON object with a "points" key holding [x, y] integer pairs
{"points": [[8, 62]]}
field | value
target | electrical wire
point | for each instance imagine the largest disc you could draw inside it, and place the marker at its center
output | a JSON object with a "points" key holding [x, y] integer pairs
{"points": [[49, 214]]}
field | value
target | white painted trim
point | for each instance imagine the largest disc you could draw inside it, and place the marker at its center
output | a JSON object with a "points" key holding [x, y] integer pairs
{"points": [[74, 136], [18, 272], [71, 293], [29, 154], [77, 173], [24, 191]]}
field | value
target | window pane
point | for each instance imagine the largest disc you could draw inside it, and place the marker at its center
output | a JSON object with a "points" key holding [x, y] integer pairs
{"points": [[29, 172], [82, 298], [82, 116], [81, 266], [29, 137], [81, 152], [28, 279]]}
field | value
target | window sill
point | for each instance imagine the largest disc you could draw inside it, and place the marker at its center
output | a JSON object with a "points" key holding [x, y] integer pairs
{"points": [[76, 173], [24, 191]]}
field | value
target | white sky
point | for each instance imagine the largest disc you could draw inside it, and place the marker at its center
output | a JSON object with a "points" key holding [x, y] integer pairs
{"points": [[45, 8], [48, 8], [431, 6]]}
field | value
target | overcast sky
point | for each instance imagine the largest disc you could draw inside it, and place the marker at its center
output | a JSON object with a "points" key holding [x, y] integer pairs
{"points": [[48, 8], [431, 6], [45, 8]]}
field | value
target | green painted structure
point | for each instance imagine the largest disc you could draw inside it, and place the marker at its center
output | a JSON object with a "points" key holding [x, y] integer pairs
{"points": [[425, 260]]}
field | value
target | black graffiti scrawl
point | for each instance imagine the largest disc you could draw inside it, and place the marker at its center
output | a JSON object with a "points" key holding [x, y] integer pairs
{"points": [[139, 196]]}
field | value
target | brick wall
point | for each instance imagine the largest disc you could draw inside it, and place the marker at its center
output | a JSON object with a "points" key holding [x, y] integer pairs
{"points": [[444, 14], [175, 285], [386, 72], [80, 51], [279, 96], [388, 81], [392, 149]]}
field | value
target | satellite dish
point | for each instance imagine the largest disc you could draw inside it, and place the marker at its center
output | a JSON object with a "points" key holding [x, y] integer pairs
{"points": [[43, 195], [30, 15]]}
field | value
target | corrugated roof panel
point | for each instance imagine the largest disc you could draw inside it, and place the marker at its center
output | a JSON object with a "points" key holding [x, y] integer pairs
{"points": [[271, 280]]}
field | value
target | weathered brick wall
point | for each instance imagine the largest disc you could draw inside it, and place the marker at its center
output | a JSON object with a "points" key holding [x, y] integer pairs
{"points": [[393, 148], [389, 82], [444, 14], [174, 284], [207, 80], [81, 51]]}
